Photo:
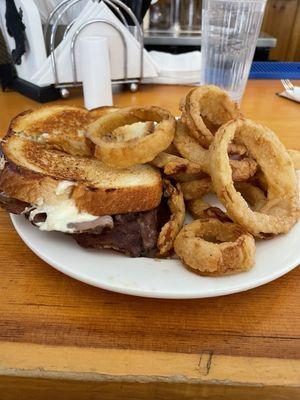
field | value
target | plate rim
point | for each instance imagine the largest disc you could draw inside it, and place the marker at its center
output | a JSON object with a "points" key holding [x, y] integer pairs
{"points": [[146, 293]]}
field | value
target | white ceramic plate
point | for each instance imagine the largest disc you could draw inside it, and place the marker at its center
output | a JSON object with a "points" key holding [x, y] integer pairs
{"points": [[152, 278]]}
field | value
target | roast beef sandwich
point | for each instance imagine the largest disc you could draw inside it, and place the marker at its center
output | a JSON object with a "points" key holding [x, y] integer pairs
{"points": [[47, 174]]}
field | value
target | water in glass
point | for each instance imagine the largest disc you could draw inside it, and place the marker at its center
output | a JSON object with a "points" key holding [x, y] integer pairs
{"points": [[230, 31]]}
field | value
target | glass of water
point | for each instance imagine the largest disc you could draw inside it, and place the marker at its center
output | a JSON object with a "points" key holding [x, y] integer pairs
{"points": [[230, 29]]}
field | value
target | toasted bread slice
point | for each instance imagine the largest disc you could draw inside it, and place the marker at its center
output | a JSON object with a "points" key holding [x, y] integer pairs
{"points": [[61, 126], [34, 173]]}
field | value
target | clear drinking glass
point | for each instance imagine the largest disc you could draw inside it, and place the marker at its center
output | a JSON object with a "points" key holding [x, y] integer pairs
{"points": [[230, 29]]}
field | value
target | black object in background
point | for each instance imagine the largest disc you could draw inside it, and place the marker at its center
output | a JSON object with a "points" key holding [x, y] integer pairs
{"points": [[7, 75], [15, 29], [138, 7], [9, 80], [145, 6]]}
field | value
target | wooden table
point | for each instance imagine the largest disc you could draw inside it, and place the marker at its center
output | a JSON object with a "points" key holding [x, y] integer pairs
{"points": [[63, 339]]}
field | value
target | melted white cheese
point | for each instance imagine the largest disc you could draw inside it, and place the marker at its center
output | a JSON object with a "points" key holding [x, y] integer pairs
{"points": [[63, 186], [27, 209], [59, 216]]}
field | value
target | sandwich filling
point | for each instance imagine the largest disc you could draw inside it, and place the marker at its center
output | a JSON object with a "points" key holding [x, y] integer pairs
{"points": [[134, 234], [63, 217], [63, 186]]}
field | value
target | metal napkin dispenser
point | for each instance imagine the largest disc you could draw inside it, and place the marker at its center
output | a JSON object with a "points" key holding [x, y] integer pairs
{"points": [[125, 26]]}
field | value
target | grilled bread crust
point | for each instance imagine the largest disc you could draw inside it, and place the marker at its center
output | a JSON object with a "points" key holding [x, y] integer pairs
{"points": [[61, 126], [33, 172]]}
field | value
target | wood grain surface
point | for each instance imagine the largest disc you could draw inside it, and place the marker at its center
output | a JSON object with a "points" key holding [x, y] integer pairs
{"points": [[40, 305], [281, 21], [16, 388], [89, 373]]}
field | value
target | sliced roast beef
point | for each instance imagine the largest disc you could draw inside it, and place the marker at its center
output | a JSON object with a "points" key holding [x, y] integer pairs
{"points": [[12, 205], [148, 227], [134, 234], [38, 218]]}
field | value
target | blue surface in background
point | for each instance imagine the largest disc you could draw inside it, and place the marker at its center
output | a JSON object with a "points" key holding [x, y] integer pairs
{"points": [[274, 70]]}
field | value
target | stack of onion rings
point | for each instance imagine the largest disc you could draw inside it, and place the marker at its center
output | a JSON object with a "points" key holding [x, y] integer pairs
{"points": [[190, 149], [204, 110], [280, 211]]}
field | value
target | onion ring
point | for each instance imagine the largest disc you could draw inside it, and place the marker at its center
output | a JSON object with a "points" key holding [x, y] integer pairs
{"points": [[205, 109], [172, 164], [254, 196], [114, 151], [190, 149], [259, 180], [172, 150], [171, 229], [243, 169], [197, 188], [100, 111], [280, 211], [177, 166], [185, 177], [200, 209], [211, 247], [295, 156]]}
